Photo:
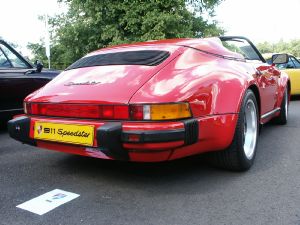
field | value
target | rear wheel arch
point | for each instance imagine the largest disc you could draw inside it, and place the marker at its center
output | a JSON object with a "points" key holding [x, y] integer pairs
{"points": [[285, 86], [239, 156], [255, 90], [256, 93]]}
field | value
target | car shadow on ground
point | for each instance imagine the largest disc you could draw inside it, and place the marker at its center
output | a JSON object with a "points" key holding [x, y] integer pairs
{"points": [[158, 169], [195, 169], [165, 177], [295, 98]]}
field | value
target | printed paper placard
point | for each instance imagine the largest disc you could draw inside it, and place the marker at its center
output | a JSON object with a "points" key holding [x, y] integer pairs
{"points": [[48, 201]]}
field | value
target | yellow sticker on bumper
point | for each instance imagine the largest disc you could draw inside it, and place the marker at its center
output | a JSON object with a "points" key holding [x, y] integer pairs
{"points": [[66, 133]]}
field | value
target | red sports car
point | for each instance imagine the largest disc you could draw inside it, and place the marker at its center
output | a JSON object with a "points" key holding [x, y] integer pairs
{"points": [[158, 101]]}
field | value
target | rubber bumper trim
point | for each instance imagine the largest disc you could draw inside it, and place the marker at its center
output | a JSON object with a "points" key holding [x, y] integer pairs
{"points": [[191, 131], [19, 129], [154, 136], [189, 134], [109, 140]]}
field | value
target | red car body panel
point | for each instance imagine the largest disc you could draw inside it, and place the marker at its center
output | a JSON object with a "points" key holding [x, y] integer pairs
{"points": [[202, 72], [117, 84], [215, 133]]}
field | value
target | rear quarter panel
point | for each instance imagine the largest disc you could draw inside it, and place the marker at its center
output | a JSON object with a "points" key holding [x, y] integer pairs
{"points": [[212, 85], [283, 81]]}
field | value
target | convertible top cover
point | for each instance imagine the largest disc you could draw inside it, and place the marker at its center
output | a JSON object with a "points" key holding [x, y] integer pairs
{"points": [[143, 57]]}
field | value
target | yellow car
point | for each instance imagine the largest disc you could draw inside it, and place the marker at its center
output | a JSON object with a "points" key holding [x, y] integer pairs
{"points": [[292, 68]]}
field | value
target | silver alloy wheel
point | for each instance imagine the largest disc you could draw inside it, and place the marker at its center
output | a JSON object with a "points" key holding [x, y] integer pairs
{"points": [[250, 129]]}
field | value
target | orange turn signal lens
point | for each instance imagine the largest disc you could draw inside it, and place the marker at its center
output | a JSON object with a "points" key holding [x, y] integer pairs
{"points": [[170, 111], [161, 111]]}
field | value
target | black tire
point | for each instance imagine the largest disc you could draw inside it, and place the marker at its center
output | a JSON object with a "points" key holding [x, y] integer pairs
{"points": [[282, 118], [235, 157]]}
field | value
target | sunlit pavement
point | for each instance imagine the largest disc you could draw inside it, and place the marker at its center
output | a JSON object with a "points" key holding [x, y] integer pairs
{"points": [[183, 192]]}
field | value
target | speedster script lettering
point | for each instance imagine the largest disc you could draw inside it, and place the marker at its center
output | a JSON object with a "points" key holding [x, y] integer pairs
{"points": [[63, 132]]}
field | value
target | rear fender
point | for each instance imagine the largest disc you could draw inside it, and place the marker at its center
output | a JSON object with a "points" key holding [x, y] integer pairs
{"points": [[215, 87], [283, 83]]}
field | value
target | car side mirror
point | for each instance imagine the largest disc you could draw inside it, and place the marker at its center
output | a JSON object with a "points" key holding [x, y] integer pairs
{"points": [[39, 66], [280, 58]]}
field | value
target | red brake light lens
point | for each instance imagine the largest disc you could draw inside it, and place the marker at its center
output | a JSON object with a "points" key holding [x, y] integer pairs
{"points": [[121, 111], [113, 112], [137, 112], [107, 112]]}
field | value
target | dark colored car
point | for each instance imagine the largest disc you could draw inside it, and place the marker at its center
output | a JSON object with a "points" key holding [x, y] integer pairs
{"points": [[18, 78]]}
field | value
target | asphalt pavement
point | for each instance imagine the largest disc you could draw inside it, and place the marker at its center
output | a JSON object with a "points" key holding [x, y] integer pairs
{"points": [[187, 191]]}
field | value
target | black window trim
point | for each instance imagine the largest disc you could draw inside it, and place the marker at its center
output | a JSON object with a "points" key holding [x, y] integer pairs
{"points": [[228, 38], [294, 58], [91, 61], [29, 66], [11, 65], [290, 60]]}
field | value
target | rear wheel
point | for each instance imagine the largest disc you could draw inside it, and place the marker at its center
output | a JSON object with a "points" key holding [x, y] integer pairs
{"points": [[239, 156], [282, 118]]}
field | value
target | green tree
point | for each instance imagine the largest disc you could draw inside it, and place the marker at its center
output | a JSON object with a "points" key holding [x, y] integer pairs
{"points": [[265, 47], [38, 50], [290, 47], [39, 53], [92, 24]]}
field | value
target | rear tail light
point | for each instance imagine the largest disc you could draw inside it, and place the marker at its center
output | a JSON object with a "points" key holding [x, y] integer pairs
{"points": [[113, 112], [146, 112], [161, 111]]}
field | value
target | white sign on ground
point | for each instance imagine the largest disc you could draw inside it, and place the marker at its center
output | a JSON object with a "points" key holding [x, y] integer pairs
{"points": [[48, 201]]}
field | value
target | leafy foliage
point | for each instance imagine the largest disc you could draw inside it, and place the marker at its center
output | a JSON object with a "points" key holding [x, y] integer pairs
{"points": [[292, 47], [38, 51], [92, 24]]}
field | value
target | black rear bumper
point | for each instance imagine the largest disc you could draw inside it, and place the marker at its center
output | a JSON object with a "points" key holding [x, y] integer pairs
{"points": [[110, 136], [19, 129]]}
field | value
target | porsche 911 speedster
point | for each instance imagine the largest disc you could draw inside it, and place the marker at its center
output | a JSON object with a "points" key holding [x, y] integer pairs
{"points": [[158, 101]]}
